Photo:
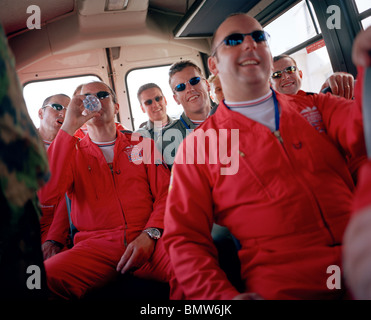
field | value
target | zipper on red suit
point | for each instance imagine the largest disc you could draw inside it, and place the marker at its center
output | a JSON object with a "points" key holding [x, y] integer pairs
{"points": [[123, 213]]}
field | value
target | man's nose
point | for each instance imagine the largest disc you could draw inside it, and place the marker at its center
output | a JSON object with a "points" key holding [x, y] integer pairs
{"points": [[249, 43], [155, 103], [285, 75], [189, 87]]}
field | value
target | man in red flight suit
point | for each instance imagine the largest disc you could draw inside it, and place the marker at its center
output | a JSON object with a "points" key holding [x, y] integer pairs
{"points": [[118, 201], [54, 224], [282, 186]]}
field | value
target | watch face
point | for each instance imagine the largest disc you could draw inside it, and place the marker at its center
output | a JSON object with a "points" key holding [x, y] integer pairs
{"points": [[154, 233]]}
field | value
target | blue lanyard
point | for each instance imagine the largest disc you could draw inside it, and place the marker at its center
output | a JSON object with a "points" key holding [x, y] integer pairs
{"points": [[276, 111], [185, 124]]}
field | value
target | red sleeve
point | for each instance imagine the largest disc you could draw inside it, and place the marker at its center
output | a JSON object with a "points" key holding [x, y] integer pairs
{"points": [[59, 228], [187, 234], [344, 123]]}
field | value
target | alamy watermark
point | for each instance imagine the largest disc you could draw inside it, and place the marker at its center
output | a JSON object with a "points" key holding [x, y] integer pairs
{"points": [[34, 280], [334, 21], [204, 147], [333, 281], [34, 20]]}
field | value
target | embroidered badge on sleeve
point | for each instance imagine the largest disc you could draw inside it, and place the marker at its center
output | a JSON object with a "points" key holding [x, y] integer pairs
{"points": [[313, 116]]}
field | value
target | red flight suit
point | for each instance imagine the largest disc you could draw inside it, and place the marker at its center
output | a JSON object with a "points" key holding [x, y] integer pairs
{"points": [[110, 208], [288, 203]]}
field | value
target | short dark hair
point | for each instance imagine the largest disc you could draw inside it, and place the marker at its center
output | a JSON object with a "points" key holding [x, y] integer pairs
{"points": [[282, 56], [46, 101], [147, 86], [179, 66]]}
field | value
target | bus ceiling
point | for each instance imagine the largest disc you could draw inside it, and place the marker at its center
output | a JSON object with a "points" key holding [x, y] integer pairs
{"points": [[48, 28]]}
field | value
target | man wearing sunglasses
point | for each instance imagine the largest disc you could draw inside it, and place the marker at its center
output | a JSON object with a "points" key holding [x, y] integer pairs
{"points": [[191, 91], [153, 102], [289, 202], [286, 78], [54, 224], [118, 201], [51, 116], [81, 132]]}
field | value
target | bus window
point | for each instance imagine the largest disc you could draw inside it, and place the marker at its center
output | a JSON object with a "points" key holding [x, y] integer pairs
{"points": [[315, 64], [35, 93], [159, 75], [362, 7], [366, 22], [284, 36], [303, 42]]}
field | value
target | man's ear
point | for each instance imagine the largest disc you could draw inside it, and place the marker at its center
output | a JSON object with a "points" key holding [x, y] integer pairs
{"points": [[301, 74], [212, 65], [40, 113], [176, 98], [143, 109], [117, 108]]}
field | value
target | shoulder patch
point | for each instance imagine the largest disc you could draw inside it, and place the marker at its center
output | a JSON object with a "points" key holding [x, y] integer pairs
{"points": [[314, 117], [134, 153]]}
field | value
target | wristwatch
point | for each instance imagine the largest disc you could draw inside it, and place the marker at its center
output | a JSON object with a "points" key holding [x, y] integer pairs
{"points": [[154, 233]]}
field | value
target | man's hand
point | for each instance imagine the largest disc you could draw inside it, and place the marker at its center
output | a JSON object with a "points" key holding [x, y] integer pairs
{"points": [[74, 118], [341, 84], [49, 249], [361, 51], [136, 254]]}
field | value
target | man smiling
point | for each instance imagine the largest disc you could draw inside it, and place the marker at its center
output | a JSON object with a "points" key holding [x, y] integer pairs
{"points": [[289, 202], [287, 79], [153, 102], [191, 91]]}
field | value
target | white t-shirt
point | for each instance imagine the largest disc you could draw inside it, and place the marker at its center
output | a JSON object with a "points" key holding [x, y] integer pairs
{"points": [[107, 149], [261, 110]]}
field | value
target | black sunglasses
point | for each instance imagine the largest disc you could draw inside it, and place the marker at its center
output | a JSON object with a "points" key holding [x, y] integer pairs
{"points": [[55, 106], [150, 101], [235, 39], [181, 86], [289, 70], [100, 95]]}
